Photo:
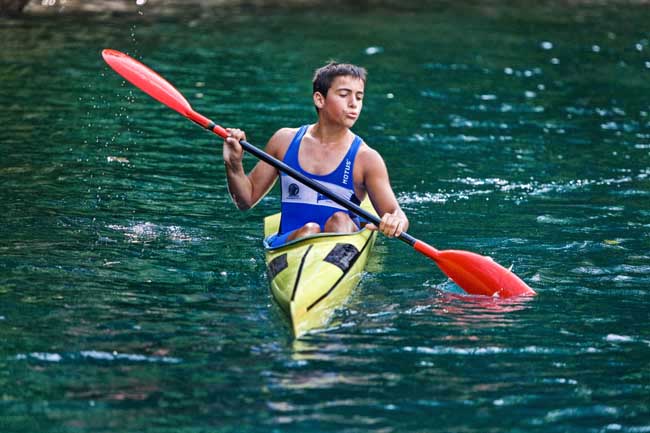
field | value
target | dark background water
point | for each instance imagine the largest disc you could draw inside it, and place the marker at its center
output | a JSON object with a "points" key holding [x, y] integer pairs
{"points": [[133, 295]]}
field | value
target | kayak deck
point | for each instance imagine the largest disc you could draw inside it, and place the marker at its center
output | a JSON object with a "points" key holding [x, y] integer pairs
{"points": [[312, 276]]}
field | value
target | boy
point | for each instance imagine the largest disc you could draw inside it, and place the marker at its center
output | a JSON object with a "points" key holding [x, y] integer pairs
{"points": [[326, 151]]}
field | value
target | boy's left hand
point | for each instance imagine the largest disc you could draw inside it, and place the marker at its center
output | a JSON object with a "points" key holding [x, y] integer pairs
{"points": [[392, 224]]}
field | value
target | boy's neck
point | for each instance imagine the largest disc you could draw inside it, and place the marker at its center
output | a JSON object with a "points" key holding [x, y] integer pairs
{"points": [[328, 133]]}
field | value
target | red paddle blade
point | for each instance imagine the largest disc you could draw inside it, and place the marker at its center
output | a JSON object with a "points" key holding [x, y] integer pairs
{"points": [[480, 275], [147, 80], [476, 274]]}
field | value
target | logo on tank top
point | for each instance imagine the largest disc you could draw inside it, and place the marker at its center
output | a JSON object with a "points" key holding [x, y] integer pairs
{"points": [[293, 191], [346, 172]]}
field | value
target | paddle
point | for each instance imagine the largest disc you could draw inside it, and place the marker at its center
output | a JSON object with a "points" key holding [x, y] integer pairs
{"points": [[476, 274]]}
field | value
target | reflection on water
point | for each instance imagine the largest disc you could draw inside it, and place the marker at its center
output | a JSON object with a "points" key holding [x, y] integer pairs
{"points": [[478, 311]]}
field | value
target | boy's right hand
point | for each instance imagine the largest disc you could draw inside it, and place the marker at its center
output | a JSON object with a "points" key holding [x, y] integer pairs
{"points": [[233, 153]]}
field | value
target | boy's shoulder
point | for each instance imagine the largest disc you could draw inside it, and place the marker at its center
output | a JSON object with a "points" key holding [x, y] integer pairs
{"points": [[368, 152], [368, 156], [279, 142], [284, 134]]}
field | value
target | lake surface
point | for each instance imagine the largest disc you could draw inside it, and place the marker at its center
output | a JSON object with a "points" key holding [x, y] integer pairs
{"points": [[133, 295]]}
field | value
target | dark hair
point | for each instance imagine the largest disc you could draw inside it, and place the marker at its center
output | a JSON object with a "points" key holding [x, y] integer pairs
{"points": [[325, 76]]}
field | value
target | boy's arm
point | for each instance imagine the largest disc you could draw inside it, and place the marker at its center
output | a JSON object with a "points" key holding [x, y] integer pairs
{"points": [[247, 190], [377, 184]]}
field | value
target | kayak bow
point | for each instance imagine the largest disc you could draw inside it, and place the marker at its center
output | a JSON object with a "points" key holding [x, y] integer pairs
{"points": [[313, 276]]}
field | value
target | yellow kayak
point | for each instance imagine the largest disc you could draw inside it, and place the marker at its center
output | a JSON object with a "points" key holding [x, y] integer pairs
{"points": [[312, 276]]}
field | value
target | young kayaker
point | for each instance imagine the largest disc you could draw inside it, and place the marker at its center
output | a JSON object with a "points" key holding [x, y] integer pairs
{"points": [[327, 151]]}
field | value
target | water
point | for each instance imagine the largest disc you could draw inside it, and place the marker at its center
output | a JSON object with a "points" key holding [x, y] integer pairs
{"points": [[133, 293]]}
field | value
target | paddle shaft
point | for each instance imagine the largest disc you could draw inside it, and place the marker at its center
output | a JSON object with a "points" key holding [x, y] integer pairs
{"points": [[474, 273], [311, 183]]}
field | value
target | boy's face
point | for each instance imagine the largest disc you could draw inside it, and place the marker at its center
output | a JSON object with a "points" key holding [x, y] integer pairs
{"points": [[344, 100]]}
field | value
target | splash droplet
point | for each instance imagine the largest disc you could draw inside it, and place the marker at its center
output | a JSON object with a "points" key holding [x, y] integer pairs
{"points": [[371, 51]]}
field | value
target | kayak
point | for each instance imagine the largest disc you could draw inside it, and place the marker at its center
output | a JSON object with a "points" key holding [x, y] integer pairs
{"points": [[313, 276]]}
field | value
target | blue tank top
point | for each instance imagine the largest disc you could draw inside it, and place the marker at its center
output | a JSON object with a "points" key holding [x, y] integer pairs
{"points": [[301, 204]]}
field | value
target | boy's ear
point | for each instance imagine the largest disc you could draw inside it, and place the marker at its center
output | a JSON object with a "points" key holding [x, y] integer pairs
{"points": [[319, 100]]}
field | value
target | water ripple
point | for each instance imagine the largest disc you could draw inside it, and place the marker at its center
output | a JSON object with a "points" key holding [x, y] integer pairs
{"points": [[96, 355]]}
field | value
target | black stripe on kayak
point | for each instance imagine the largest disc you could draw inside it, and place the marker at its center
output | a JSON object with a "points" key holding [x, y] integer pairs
{"points": [[302, 263], [277, 265], [354, 260], [343, 256]]}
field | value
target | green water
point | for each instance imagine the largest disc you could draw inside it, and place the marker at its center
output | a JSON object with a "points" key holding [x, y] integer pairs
{"points": [[133, 295]]}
